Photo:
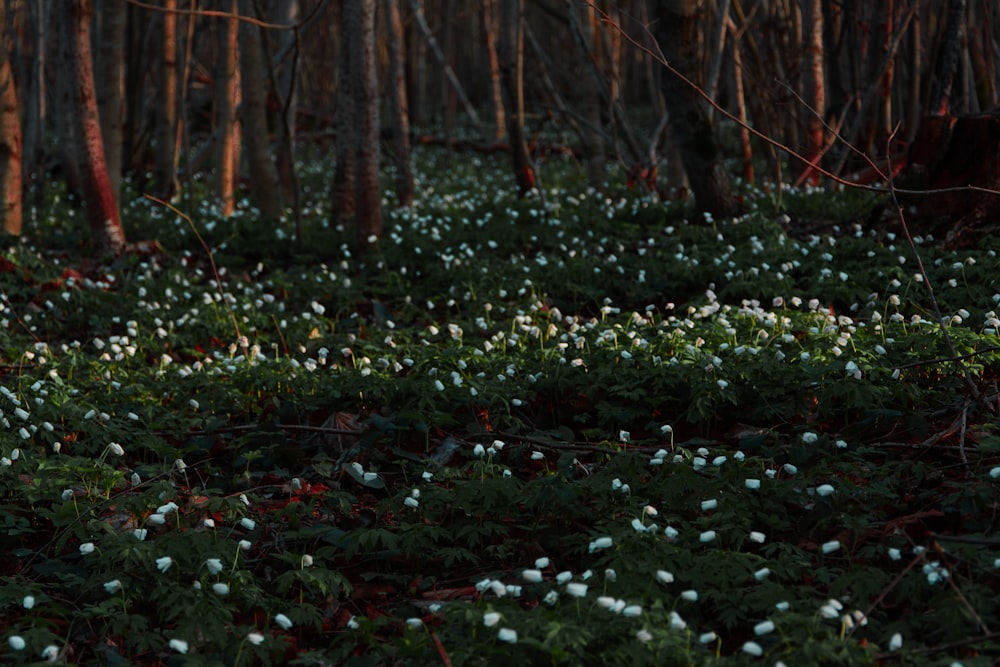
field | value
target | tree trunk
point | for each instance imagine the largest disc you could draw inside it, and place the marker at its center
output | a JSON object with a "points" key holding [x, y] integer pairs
{"points": [[111, 87], [166, 109], [676, 32], [489, 20], [227, 100], [10, 137], [263, 174], [585, 26], [399, 107], [417, 65], [34, 103], [813, 85], [361, 35], [343, 204], [287, 13], [102, 211], [947, 62], [511, 51]]}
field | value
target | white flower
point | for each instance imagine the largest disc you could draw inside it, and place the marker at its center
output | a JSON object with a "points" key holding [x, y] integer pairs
{"points": [[809, 437], [895, 554], [28, 602], [208, 523], [163, 563], [214, 565], [412, 502], [664, 577], [87, 548], [116, 449], [707, 536], [490, 619], [16, 642], [632, 611], [831, 546], [113, 586], [624, 436], [643, 635], [707, 505], [50, 653], [752, 484], [255, 638], [576, 590], [896, 642], [283, 621], [167, 509], [220, 588], [307, 560], [532, 576], [690, 595], [245, 545], [825, 490], [676, 622], [564, 577], [179, 645], [140, 534], [757, 536], [542, 563], [763, 628], [507, 635], [707, 637], [600, 543], [353, 623], [762, 574], [248, 523], [753, 648]]}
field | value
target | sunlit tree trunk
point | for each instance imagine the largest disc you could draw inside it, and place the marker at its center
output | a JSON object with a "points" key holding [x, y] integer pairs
{"points": [[111, 87], [488, 19], [227, 100], [511, 53], [263, 174], [676, 33], [10, 135], [166, 108], [813, 84], [101, 208], [399, 107], [361, 35]]}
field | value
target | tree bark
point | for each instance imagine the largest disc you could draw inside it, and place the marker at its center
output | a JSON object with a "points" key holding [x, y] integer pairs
{"points": [[361, 35], [511, 53], [676, 33], [166, 110], [10, 136], [813, 85], [263, 174], [487, 13], [585, 26], [101, 208], [227, 100], [399, 106], [111, 87], [947, 63]]}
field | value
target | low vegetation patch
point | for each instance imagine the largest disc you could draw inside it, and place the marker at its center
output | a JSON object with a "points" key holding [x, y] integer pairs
{"points": [[576, 429]]}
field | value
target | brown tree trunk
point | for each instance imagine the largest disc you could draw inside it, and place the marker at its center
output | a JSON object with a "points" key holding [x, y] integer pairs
{"points": [[361, 35], [166, 109], [34, 103], [227, 100], [587, 29], [10, 135], [263, 174], [511, 53], [343, 204], [287, 13], [948, 57], [416, 65], [487, 14], [399, 108], [676, 32], [111, 87], [813, 85], [102, 211]]}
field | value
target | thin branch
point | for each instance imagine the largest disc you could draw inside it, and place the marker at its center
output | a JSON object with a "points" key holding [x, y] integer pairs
{"points": [[215, 14]]}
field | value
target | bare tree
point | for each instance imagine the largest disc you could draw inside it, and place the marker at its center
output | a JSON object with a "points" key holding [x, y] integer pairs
{"points": [[676, 32], [488, 20], [101, 208], [227, 100], [10, 134], [263, 173], [166, 110], [813, 84], [111, 86], [511, 52], [343, 203], [399, 107], [361, 37]]}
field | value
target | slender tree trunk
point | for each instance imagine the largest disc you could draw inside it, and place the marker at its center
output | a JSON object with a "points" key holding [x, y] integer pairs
{"points": [[227, 101], [263, 174], [813, 85], [399, 107], [676, 32], [511, 52], [101, 208], [947, 62], [488, 19], [417, 68], [34, 103], [584, 23], [166, 109], [343, 204], [287, 13], [111, 87], [10, 134], [361, 29]]}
